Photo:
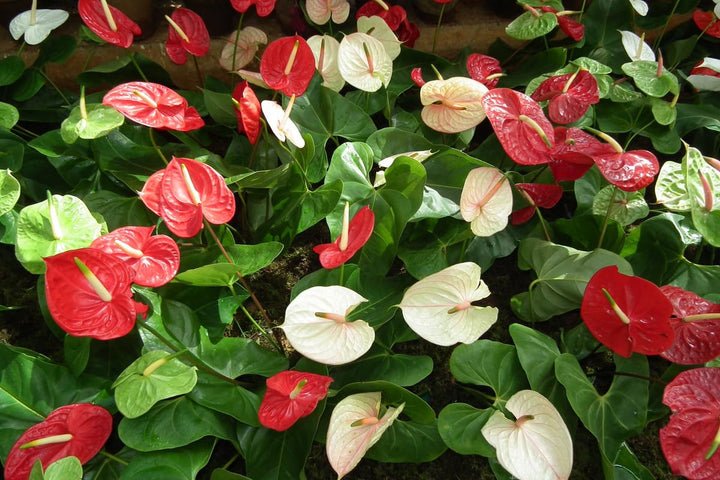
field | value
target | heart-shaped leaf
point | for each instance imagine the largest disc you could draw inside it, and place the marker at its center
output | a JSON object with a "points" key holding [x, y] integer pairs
{"points": [[670, 188], [9, 191]]}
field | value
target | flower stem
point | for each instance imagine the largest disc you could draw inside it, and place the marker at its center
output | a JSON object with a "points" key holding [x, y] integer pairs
{"points": [[114, 458], [235, 46], [137, 67], [437, 28], [607, 217], [262, 330], [155, 146], [57, 89], [201, 81]]}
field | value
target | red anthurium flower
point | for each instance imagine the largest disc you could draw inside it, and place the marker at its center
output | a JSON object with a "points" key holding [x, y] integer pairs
{"points": [[408, 33], [484, 69], [187, 34], [572, 29], [570, 95], [247, 111], [416, 76], [153, 105], [691, 438], [288, 64], [394, 16], [78, 430], [88, 294], [520, 125], [573, 152], [707, 22], [155, 259], [185, 192], [263, 7], [629, 171], [108, 22], [627, 314], [537, 195], [354, 235], [290, 396], [697, 327]]}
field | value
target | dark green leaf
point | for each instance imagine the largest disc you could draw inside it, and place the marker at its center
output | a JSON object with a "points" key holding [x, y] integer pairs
{"points": [[460, 426], [379, 364], [227, 398], [77, 353], [29, 84], [179, 464], [56, 51], [11, 69]]}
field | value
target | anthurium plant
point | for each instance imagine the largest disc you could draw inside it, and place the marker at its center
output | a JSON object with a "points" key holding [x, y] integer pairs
{"points": [[508, 259]]}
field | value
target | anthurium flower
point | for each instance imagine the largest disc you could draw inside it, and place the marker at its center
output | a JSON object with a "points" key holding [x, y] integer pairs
{"points": [[153, 105], [486, 201], [77, 430], [640, 7], [537, 195], [243, 45], [247, 111], [88, 294], [184, 193], [316, 325], [439, 307], [629, 171], [278, 119], [690, 440], [635, 46], [570, 27], [706, 75], [263, 7], [108, 22], [288, 65], [363, 62], [325, 50], [36, 24], [627, 314], [537, 444], [572, 153], [484, 69], [290, 396], [355, 426], [696, 322], [320, 11], [394, 15], [154, 259], [377, 28], [570, 95], [354, 235], [520, 125], [187, 34], [453, 105], [707, 22]]}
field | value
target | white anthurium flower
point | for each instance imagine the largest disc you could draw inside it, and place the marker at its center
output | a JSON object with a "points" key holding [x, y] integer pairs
{"points": [[279, 122], [536, 446], [439, 307], [706, 82], [244, 45], [486, 201], [378, 28], [640, 7], [363, 62], [635, 46], [419, 155], [316, 325], [452, 105], [320, 11], [354, 427], [36, 24], [325, 50]]}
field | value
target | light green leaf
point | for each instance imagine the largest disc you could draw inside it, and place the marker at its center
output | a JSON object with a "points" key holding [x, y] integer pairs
{"points": [[68, 468], [626, 208], [9, 115], [663, 112], [9, 191], [645, 75], [528, 26], [670, 188], [100, 120]]}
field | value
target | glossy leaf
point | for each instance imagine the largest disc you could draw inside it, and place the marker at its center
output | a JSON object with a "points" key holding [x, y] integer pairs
{"points": [[182, 463], [704, 199], [670, 188], [645, 75], [100, 120], [227, 398], [529, 26], [460, 426], [626, 207], [9, 191]]}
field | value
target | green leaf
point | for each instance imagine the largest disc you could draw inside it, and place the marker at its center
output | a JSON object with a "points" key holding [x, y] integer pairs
{"points": [[626, 466], [179, 464], [654, 248], [562, 274], [9, 115], [149, 379], [644, 73], [663, 112], [351, 163], [9, 191], [626, 208], [222, 474], [227, 398], [56, 51], [119, 211], [125, 69], [252, 258], [129, 161], [68, 468], [583, 232], [602, 21], [623, 93], [76, 352], [460, 426], [220, 107], [407, 442], [380, 364], [528, 26], [100, 120], [28, 85], [705, 211], [692, 117], [11, 69], [670, 188], [213, 275], [616, 415], [535, 65]]}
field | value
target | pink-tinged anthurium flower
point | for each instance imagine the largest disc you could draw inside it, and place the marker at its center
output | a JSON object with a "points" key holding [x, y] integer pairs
{"points": [[696, 322], [278, 119], [453, 105], [187, 34], [520, 125], [153, 105], [154, 259], [537, 444], [690, 440], [635, 46], [88, 294], [288, 65], [537, 195], [629, 171], [363, 62], [78, 430], [108, 22], [36, 24], [247, 111], [325, 50], [377, 28], [570, 95], [707, 22], [243, 45], [316, 325], [627, 314], [354, 234], [486, 201], [263, 7], [439, 308], [572, 154], [705, 76], [184, 193], [290, 396], [570, 27], [355, 426], [484, 69], [321, 11]]}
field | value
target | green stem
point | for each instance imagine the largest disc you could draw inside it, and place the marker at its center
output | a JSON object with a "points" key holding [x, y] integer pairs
{"points": [[437, 28], [543, 224], [137, 67], [262, 330], [114, 458], [342, 273], [656, 43], [201, 82], [49, 80], [235, 46], [231, 461], [607, 217], [155, 146]]}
